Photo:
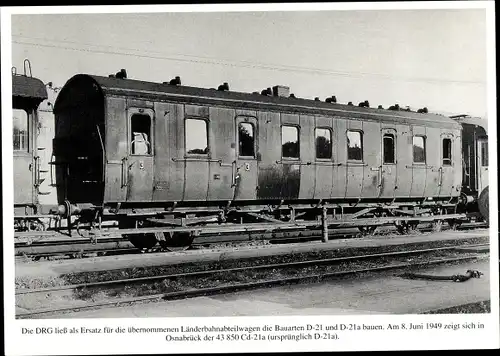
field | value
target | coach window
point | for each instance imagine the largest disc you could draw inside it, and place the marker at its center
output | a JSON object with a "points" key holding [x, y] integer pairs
{"points": [[20, 130], [389, 149], [141, 134], [418, 149], [246, 140], [196, 137], [484, 153], [323, 143], [354, 146], [446, 152], [290, 142]]}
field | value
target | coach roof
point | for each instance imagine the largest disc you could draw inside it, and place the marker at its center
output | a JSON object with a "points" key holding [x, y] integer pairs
{"points": [[477, 121], [28, 87], [158, 91]]}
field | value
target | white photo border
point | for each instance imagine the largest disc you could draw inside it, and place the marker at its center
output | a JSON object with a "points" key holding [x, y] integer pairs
{"points": [[68, 344]]}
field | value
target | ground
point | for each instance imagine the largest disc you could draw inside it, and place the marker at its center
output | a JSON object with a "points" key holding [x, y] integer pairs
{"points": [[376, 294]]}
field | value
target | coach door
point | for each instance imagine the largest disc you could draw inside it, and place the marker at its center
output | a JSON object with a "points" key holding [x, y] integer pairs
{"points": [[388, 172], [140, 158], [482, 162], [419, 165], [244, 177], [447, 159], [24, 164], [355, 157]]}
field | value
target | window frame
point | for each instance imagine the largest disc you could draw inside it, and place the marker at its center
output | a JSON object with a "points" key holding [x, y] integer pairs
{"points": [[207, 122], [450, 159], [424, 138], [141, 112], [297, 127], [330, 130], [28, 149], [394, 148], [361, 133], [254, 131]]}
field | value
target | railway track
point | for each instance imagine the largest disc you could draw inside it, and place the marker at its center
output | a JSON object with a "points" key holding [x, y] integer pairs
{"points": [[81, 247], [191, 284]]}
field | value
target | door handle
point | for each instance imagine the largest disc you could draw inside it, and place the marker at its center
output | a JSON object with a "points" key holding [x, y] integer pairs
{"points": [[440, 170]]}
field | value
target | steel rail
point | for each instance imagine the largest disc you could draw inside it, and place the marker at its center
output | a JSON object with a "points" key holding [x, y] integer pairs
{"points": [[84, 246], [228, 228], [79, 246], [240, 286], [324, 261]]}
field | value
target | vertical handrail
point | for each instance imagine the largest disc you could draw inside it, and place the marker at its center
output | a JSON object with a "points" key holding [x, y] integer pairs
{"points": [[103, 151], [26, 61], [51, 164], [37, 171], [233, 173], [124, 172], [380, 172]]}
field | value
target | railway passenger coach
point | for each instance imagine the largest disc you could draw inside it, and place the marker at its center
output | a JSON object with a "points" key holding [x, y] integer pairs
{"points": [[151, 154], [475, 185], [27, 94]]}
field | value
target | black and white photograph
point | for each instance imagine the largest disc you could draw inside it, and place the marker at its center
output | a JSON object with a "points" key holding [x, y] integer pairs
{"points": [[258, 177]]}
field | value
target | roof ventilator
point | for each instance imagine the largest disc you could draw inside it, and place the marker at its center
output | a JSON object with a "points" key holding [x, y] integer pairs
{"points": [[174, 81], [266, 92], [122, 74], [223, 87], [281, 90]]}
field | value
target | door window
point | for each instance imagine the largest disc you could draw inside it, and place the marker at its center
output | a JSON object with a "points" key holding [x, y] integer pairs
{"points": [[196, 137], [446, 152], [389, 149], [246, 139], [20, 130], [290, 142], [354, 145], [323, 143], [484, 153], [418, 149], [141, 134]]}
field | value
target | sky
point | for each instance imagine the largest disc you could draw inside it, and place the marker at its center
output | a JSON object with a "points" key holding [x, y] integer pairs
{"points": [[416, 58]]}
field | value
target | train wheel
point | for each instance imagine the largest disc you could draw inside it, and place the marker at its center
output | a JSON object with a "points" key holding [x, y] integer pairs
{"points": [[179, 241], [367, 230], [142, 241]]}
